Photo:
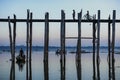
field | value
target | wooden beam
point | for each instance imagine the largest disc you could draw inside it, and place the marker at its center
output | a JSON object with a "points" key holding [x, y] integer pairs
{"points": [[59, 20], [77, 37]]}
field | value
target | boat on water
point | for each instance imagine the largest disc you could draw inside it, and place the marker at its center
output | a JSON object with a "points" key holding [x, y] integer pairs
{"points": [[21, 56], [59, 51]]}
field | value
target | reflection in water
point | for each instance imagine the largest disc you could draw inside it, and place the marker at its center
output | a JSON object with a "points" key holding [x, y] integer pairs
{"points": [[12, 70], [111, 68], [78, 68], [20, 65], [30, 69], [62, 65], [46, 75], [79, 75], [27, 69], [46, 70], [98, 68]]}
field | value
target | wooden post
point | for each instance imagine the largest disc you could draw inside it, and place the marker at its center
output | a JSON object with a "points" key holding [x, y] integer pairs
{"points": [[10, 77], [78, 54], [30, 37], [30, 57], [12, 74], [98, 45], [94, 38], [46, 47], [11, 48], [113, 44], [14, 41], [14, 36], [64, 51], [62, 59], [27, 43], [10, 37], [109, 47], [27, 36]]}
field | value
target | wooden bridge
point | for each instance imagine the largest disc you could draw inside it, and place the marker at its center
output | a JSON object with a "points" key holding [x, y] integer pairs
{"points": [[95, 37]]}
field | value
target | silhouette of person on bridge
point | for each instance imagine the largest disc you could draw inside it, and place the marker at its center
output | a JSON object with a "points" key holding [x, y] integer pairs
{"points": [[73, 14]]}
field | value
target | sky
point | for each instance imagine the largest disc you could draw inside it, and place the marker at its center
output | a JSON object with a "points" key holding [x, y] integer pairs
{"points": [[54, 7]]}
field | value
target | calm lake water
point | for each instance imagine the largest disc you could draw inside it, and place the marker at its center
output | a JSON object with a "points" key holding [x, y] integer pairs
{"points": [[54, 67]]}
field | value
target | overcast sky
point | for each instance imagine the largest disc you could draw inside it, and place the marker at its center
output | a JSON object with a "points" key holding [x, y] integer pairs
{"points": [[54, 7]]}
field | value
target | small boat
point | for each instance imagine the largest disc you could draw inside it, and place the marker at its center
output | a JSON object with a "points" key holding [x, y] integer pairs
{"points": [[59, 51], [20, 58]]}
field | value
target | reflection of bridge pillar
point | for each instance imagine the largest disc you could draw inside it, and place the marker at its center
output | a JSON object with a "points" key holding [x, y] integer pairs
{"points": [[46, 44], [62, 54], [12, 71]]}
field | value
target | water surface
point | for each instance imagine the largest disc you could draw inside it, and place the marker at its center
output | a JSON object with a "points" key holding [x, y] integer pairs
{"points": [[54, 67]]}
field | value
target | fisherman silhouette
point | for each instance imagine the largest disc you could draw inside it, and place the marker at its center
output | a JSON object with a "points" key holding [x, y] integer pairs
{"points": [[73, 14], [21, 53]]}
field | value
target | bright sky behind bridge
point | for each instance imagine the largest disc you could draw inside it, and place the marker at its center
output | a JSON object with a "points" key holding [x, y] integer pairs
{"points": [[54, 7]]}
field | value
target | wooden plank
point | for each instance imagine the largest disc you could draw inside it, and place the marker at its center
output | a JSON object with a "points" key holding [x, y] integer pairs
{"points": [[113, 44], [77, 37], [46, 47]]}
